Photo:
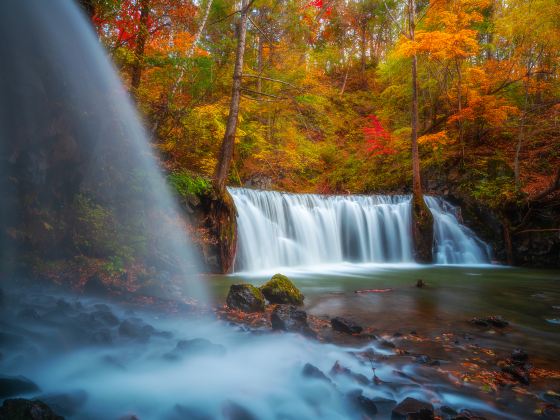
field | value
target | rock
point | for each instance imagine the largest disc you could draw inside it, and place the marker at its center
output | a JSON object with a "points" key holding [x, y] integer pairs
{"points": [[279, 289], [426, 360], [310, 371], [65, 404], [234, 411], [468, 415], [497, 321], [290, 318], [182, 412], [519, 356], [345, 326], [517, 372], [448, 411], [413, 409], [105, 317], [29, 314], [491, 321], [135, 328], [195, 346], [420, 283], [246, 298], [338, 369], [21, 409], [16, 385], [363, 404]]}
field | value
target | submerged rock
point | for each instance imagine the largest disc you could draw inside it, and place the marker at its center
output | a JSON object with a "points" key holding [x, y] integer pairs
{"points": [[21, 409], [16, 385], [290, 318], [313, 372], [492, 321], [195, 346], [363, 404], [137, 329], [233, 411], [338, 369], [246, 298], [345, 326], [66, 404], [279, 289], [411, 408]]}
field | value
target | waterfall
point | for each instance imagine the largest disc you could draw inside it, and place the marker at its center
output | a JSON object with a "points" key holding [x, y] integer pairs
{"points": [[281, 229], [78, 176]]}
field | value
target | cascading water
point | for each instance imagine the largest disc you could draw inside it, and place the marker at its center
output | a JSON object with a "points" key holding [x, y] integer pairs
{"points": [[77, 174], [279, 229]]}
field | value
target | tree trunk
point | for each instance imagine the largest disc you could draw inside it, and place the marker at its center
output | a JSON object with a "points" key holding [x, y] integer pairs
{"points": [[260, 64], [226, 151], [520, 139], [422, 219], [363, 53], [141, 39]]}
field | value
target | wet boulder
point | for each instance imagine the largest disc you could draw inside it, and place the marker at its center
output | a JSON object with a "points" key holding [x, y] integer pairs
{"points": [[313, 372], [195, 346], [135, 328], [16, 385], [279, 289], [21, 409], [67, 404], [362, 404], [495, 321], [346, 326], [413, 409], [246, 298], [290, 318]]}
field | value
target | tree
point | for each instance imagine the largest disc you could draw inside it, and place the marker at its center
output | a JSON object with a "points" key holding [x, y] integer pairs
{"points": [[226, 151]]}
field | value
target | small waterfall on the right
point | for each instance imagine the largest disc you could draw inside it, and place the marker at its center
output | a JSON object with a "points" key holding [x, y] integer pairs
{"points": [[454, 242]]}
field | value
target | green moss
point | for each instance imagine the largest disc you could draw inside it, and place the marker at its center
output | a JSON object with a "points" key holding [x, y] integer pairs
{"points": [[246, 298], [187, 184], [279, 289]]}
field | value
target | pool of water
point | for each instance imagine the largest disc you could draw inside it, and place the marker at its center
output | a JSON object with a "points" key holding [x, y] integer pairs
{"points": [[529, 299]]}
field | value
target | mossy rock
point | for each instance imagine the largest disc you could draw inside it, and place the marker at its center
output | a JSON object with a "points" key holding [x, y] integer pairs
{"points": [[279, 289], [246, 298]]}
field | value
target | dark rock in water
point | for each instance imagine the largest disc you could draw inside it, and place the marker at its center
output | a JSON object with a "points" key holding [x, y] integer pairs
{"points": [[387, 344], [29, 314], [448, 411], [426, 360], [290, 318], [105, 317], [234, 411], [16, 385], [411, 408], [195, 346], [497, 321], [310, 371], [279, 289], [96, 287], [102, 337], [519, 373], [135, 328], [345, 326], [65, 404], [363, 404], [182, 412], [338, 369], [420, 283], [491, 321], [519, 356], [246, 298], [21, 409], [468, 415]]}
